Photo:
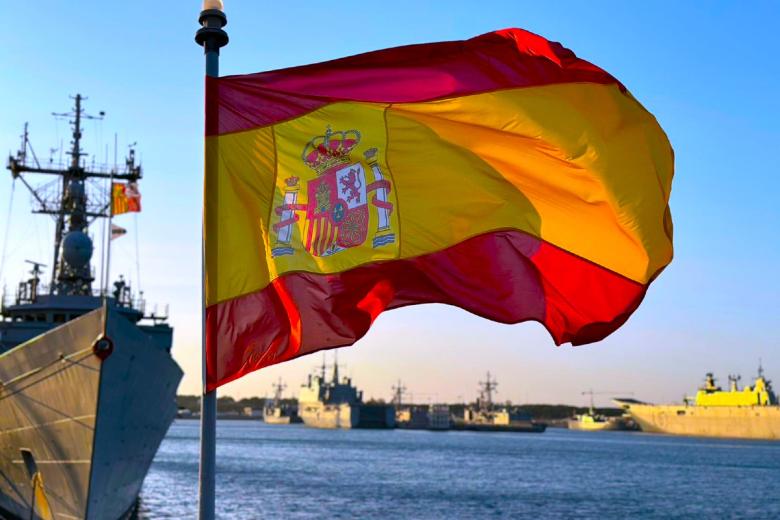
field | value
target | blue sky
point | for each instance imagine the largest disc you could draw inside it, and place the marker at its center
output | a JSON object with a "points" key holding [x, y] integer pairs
{"points": [[708, 71]]}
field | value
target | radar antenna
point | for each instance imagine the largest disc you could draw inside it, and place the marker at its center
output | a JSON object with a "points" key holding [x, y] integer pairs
{"points": [[28, 290]]}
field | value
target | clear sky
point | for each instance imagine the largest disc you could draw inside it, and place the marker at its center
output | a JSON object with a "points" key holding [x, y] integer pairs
{"points": [[708, 71]]}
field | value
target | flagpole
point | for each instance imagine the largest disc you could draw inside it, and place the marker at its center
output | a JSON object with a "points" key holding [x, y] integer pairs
{"points": [[211, 36], [107, 271]]}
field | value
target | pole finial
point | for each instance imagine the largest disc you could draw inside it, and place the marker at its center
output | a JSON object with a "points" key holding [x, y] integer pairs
{"points": [[212, 19], [213, 4]]}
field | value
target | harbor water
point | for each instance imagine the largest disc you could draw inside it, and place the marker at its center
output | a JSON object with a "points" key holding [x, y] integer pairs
{"points": [[266, 471]]}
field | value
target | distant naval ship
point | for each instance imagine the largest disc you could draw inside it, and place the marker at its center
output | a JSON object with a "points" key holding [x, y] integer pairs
{"points": [[87, 382], [276, 411], [748, 413], [593, 421], [433, 417], [338, 404], [486, 416]]}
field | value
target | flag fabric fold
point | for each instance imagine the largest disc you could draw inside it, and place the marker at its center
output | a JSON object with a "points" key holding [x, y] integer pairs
{"points": [[500, 174]]}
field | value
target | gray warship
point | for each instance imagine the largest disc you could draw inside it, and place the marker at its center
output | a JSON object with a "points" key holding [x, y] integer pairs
{"points": [[87, 381], [486, 416], [433, 417], [338, 404], [276, 411]]}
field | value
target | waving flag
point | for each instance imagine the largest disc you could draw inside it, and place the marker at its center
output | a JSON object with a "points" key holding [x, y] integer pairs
{"points": [[117, 231], [500, 174], [125, 198]]}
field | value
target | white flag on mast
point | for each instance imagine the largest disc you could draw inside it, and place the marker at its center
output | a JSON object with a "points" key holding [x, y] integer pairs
{"points": [[117, 231]]}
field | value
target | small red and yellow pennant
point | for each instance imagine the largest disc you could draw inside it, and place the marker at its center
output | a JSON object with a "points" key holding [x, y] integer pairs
{"points": [[125, 198]]}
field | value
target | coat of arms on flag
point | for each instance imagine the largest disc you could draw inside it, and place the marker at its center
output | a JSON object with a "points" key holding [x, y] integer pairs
{"points": [[345, 189]]}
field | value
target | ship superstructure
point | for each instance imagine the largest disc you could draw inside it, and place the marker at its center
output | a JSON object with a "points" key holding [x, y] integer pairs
{"points": [[87, 382], [276, 411], [329, 404], [338, 404], [748, 413]]}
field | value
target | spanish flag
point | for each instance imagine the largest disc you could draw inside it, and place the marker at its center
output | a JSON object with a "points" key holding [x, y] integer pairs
{"points": [[500, 174]]}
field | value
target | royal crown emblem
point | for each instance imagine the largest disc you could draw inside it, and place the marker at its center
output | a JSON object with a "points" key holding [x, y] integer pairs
{"points": [[332, 149], [339, 200]]}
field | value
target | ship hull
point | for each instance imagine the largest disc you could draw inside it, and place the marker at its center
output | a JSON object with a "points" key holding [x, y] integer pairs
{"points": [[275, 419], [319, 415], [347, 416], [602, 426], [736, 422], [92, 426], [514, 428]]}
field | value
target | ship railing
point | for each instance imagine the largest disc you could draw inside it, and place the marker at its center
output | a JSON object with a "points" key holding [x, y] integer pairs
{"points": [[48, 198], [131, 302], [137, 303], [157, 315], [59, 164], [26, 295]]}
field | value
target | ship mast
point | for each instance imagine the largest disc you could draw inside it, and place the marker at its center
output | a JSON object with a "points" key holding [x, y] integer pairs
{"points": [[70, 203], [278, 390], [592, 405], [487, 388], [322, 370], [398, 393]]}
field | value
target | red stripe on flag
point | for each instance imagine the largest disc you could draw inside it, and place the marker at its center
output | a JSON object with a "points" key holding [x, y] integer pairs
{"points": [[309, 232], [511, 58], [521, 278], [320, 231], [329, 235]]}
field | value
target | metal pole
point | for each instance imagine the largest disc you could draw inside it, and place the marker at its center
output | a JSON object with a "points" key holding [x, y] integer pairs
{"points": [[211, 36], [107, 271]]}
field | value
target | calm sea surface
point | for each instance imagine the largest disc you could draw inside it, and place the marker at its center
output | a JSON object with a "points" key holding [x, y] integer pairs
{"points": [[294, 472]]}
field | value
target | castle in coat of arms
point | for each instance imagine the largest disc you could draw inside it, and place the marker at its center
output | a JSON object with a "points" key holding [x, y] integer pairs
{"points": [[337, 203]]}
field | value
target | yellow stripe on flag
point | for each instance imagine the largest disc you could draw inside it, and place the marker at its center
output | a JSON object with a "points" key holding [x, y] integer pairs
{"points": [[559, 162]]}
